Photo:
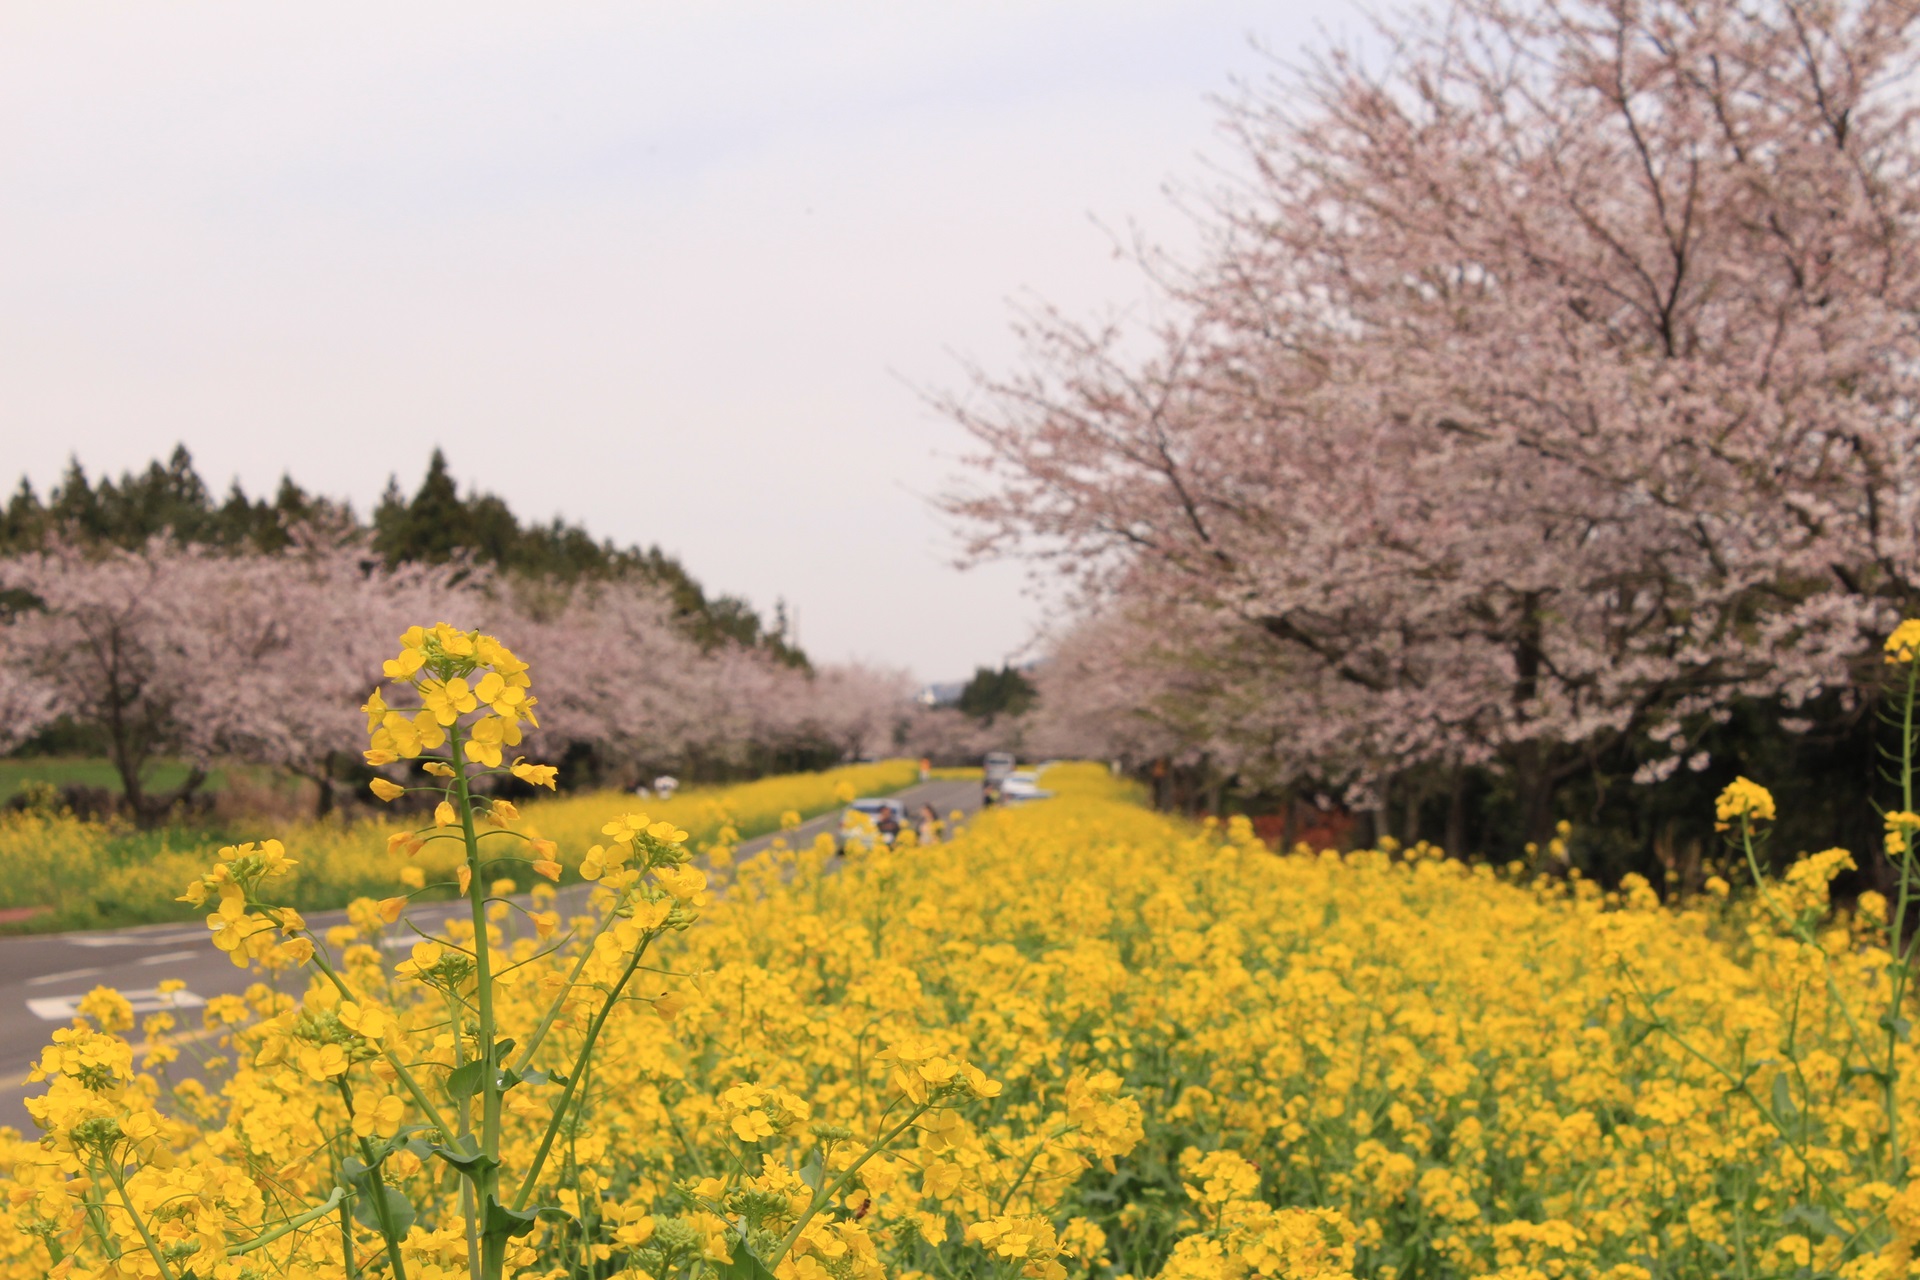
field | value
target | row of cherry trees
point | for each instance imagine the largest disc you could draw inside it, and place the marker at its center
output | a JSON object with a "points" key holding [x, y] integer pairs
{"points": [[1548, 387], [202, 654]]}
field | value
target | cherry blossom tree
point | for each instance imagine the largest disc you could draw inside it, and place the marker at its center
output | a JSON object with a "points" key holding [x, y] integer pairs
{"points": [[1546, 387], [860, 707], [26, 705], [112, 636], [618, 677], [206, 655], [614, 673], [194, 652], [335, 611]]}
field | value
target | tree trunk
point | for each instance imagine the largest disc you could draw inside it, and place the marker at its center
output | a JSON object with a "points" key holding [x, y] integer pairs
{"points": [[323, 802], [1534, 782], [1456, 837], [161, 806]]}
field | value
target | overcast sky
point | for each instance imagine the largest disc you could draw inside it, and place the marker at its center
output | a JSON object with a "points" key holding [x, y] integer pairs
{"points": [[674, 271]]}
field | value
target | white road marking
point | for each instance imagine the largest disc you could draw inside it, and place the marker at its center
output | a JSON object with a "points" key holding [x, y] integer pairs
{"points": [[145, 1000], [45, 978], [170, 957], [136, 940]]}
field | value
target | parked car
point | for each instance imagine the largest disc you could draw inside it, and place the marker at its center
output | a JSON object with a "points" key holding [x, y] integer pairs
{"points": [[863, 819], [993, 775], [1021, 786]]}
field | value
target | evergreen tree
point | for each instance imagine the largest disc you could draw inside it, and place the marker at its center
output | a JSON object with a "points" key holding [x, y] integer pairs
{"points": [[434, 526], [991, 694]]}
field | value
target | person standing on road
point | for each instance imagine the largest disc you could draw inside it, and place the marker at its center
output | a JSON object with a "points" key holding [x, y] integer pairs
{"points": [[889, 824], [930, 829]]}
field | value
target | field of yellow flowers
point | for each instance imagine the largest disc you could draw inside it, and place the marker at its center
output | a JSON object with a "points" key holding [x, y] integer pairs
{"points": [[1078, 1040], [82, 874]]}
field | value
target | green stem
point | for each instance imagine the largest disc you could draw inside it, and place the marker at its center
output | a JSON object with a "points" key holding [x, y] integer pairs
{"points": [[826, 1193], [486, 1183], [1027, 1168], [292, 1224], [379, 1185], [525, 1055], [483, 960], [97, 1216], [1889, 1079], [1739, 1085], [405, 1076], [140, 1224], [348, 1261], [455, 1020], [573, 1077], [1856, 1035]]}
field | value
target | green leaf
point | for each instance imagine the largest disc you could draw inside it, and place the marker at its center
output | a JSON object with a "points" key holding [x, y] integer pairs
{"points": [[1783, 1108], [469, 1163], [465, 1081], [812, 1173], [368, 1193], [515, 1222], [1811, 1217], [399, 1209], [744, 1266]]}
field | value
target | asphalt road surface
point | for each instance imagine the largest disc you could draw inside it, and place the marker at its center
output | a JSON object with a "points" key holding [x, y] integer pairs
{"points": [[43, 977]]}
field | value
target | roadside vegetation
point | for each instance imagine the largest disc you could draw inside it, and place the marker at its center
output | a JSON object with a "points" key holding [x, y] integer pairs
{"points": [[69, 873]]}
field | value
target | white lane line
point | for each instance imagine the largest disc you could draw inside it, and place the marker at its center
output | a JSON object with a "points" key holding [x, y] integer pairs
{"points": [[138, 940], [170, 957], [146, 1000], [45, 978]]}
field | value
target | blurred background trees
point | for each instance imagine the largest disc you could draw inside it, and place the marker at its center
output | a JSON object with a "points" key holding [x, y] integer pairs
{"points": [[145, 621], [1540, 425]]}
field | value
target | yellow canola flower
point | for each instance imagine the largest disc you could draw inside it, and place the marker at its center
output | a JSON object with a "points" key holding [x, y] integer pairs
{"points": [[1743, 800], [448, 700], [1904, 643], [1901, 827], [625, 827], [539, 775], [685, 883], [1378, 1065], [381, 1119]]}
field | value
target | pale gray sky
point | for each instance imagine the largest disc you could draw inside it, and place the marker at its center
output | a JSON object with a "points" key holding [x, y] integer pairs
{"points": [[671, 270]]}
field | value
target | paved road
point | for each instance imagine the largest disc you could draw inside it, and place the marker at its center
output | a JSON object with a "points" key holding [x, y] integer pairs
{"points": [[42, 977]]}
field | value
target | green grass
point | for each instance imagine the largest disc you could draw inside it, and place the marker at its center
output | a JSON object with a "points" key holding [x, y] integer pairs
{"points": [[61, 771]]}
